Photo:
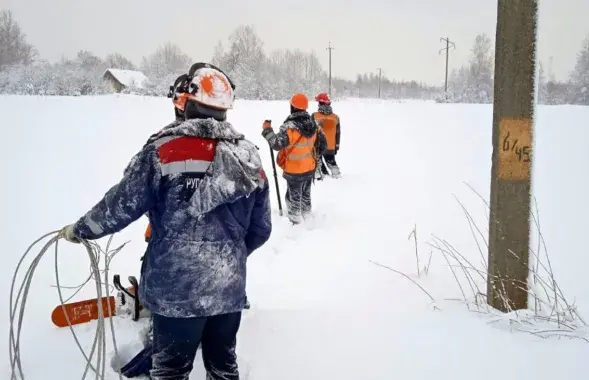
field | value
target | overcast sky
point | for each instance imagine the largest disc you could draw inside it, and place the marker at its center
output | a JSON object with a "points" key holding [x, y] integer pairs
{"points": [[400, 36]]}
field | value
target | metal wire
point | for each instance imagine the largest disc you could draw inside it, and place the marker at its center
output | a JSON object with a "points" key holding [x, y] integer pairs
{"points": [[20, 302]]}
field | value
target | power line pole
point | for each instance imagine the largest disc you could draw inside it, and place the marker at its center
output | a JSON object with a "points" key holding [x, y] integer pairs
{"points": [[449, 44], [513, 109], [379, 79], [330, 48]]}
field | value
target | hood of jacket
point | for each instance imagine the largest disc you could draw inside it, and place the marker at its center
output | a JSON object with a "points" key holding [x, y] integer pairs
{"points": [[205, 128], [235, 172], [325, 109], [301, 121]]}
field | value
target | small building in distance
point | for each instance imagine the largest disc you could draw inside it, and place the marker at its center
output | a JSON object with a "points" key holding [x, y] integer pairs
{"points": [[121, 79]]}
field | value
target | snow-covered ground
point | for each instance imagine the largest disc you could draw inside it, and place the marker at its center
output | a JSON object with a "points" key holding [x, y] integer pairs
{"points": [[320, 308]]}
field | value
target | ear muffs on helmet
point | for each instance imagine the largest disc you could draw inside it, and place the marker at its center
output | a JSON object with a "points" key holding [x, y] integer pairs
{"points": [[180, 85], [178, 93]]}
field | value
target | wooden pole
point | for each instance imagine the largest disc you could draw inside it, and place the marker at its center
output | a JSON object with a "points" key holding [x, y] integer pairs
{"points": [[513, 112]]}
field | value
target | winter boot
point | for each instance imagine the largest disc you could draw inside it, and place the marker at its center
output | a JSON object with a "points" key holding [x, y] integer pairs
{"points": [[295, 219], [335, 172], [318, 173]]}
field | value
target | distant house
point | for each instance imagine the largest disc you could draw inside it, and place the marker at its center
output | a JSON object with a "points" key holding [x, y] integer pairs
{"points": [[121, 79]]}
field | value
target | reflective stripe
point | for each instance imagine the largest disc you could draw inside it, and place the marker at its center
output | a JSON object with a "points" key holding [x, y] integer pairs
{"points": [[299, 157], [305, 144], [94, 227], [188, 166]]}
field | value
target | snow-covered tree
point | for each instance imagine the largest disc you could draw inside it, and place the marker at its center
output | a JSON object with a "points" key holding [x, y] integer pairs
{"points": [[218, 55], [14, 49], [542, 93], [481, 61], [66, 78], [119, 61], [474, 83], [244, 61], [167, 61], [88, 60], [580, 76]]}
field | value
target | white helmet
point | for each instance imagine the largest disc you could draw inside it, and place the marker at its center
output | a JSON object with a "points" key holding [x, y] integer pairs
{"points": [[210, 87]]}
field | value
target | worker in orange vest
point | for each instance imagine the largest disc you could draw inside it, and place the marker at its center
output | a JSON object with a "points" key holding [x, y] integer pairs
{"points": [[330, 125], [300, 143]]}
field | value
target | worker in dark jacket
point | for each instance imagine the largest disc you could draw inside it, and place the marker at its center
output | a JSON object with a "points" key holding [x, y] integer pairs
{"points": [[205, 191], [299, 143]]}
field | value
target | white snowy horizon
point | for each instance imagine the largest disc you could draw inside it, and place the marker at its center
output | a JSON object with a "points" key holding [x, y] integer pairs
{"points": [[400, 37]]}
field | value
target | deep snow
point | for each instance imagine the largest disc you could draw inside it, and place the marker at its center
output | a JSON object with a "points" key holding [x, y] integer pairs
{"points": [[320, 309]]}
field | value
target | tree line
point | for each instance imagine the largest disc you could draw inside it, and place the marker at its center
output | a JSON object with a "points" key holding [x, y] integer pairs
{"points": [[259, 74], [473, 82]]}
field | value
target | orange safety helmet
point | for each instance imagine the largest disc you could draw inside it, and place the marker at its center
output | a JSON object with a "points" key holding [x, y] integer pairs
{"points": [[299, 101]]}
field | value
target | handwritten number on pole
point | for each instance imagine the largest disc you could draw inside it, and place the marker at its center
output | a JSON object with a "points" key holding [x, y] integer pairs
{"points": [[522, 152]]}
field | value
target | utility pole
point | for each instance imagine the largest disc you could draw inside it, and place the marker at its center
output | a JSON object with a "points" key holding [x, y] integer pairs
{"points": [[449, 44], [379, 79], [330, 48], [513, 109]]}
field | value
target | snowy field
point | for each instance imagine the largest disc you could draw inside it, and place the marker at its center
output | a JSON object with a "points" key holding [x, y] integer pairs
{"points": [[320, 308]]}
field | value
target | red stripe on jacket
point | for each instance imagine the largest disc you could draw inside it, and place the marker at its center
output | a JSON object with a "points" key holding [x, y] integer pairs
{"points": [[187, 148]]}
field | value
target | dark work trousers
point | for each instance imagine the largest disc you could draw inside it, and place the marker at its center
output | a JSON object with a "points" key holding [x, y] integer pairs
{"points": [[298, 199], [323, 166], [329, 159], [175, 341], [331, 164]]}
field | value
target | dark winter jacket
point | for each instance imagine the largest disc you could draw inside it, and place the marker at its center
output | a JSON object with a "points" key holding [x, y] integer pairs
{"points": [[304, 123], [206, 194]]}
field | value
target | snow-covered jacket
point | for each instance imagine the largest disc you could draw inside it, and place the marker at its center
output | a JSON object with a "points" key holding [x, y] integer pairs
{"points": [[206, 194], [306, 126]]}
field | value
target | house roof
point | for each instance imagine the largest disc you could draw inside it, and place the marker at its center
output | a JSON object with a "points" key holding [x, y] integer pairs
{"points": [[128, 78]]}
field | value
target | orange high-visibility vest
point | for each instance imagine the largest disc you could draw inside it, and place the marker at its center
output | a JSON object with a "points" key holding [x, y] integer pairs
{"points": [[299, 156], [329, 126]]}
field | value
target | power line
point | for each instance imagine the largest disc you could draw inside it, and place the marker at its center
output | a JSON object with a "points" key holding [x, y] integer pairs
{"points": [[449, 44], [379, 79], [330, 49]]}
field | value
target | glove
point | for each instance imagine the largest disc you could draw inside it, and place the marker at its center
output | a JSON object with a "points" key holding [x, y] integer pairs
{"points": [[267, 129], [67, 233]]}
